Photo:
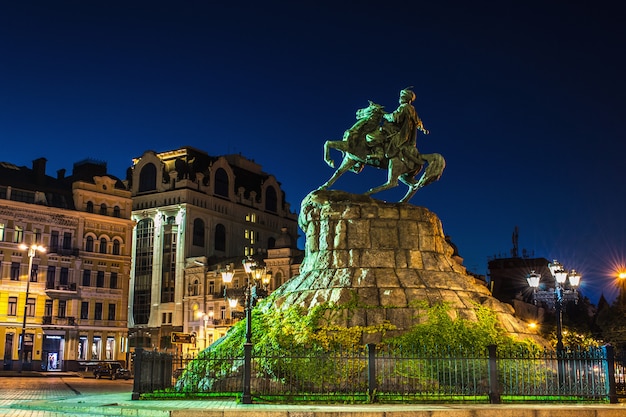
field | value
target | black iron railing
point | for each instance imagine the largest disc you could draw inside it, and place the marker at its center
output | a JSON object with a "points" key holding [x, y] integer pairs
{"points": [[390, 374]]}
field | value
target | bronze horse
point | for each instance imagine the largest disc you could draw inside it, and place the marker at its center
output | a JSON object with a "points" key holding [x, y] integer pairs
{"points": [[364, 144]]}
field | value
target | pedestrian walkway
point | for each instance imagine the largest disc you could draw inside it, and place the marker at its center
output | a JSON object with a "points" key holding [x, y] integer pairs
{"points": [[122, 405]]}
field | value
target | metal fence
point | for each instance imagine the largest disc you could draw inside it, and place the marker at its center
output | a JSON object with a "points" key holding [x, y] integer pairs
{"points": [[385, 374]]}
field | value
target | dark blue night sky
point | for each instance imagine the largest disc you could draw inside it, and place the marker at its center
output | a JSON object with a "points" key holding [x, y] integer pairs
{"points": [[525, 100]]}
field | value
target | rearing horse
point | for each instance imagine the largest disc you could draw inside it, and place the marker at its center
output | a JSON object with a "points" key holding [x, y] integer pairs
{"points": [[361, 146]]}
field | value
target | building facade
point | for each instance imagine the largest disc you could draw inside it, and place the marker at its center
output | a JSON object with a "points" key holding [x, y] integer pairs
{"points": [[188, 204], [208, 312], [74, 309]]}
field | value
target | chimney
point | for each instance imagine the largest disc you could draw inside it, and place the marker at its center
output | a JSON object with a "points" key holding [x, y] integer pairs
{"points": [[61, 174], [39, 170]]}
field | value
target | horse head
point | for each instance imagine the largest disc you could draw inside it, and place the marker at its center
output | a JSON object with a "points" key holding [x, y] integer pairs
{"points": [[373, 111]]}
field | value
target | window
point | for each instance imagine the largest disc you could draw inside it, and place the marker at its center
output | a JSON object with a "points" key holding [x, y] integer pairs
{"points": [[67, 240], [103, 245], [84, 310], [116, 211], [220, 237], [12, 311], [15, 271], [198, 232], [61, 308], [113, 283], [251, 217], [116, 247], [30, 307], [103, 209], [37, 235], [34, 272], [89, 207], [221, 182], [86, 277], [50, 275], [98, 312], [54, 241], [96, 348], [1, 232], [100, 279], [82, 348], [111, 315], [271, 201], [63, 279], [89, 244], [147, 178], [18, 234], [47, 309]]}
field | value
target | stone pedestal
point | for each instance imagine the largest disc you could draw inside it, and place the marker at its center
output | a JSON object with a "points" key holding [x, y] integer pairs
{"points": [[384, 260]]}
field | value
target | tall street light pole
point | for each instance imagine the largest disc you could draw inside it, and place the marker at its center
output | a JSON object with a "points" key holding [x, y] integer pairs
{"points": [[555, 297], [32, 251]]}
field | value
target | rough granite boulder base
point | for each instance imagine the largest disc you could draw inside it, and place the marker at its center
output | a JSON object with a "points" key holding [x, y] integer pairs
{"points": [[386, 257]]}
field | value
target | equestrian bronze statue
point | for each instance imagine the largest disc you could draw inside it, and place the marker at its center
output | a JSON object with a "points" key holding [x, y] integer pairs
{"points": [[386, 141]]}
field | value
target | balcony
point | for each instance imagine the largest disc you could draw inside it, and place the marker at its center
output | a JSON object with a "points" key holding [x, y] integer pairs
{"points": [[69, 290], [58, 321], [64, 251]]}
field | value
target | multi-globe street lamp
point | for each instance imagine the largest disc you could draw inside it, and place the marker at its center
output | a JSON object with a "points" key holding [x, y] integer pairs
{"points": [[557, 296], [32, 251], [256, 273]]}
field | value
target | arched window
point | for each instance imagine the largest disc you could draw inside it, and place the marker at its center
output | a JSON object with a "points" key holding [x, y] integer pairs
{"points": [[220, 237], [271, 201], [103, 245], [89, 244], [198, 232], [116, 211], [103, 209], [271, 243], [221, 182], [116, 247], [147, 178], [89, 206]]}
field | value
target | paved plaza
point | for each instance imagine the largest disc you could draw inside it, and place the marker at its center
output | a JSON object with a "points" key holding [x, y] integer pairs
{"points": [[76, 395]]}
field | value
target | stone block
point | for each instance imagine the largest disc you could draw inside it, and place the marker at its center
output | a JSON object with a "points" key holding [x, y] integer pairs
{"points": [[408, 235], [409, 278], [363, 277], [341, 235], [388, 212], [368, 296], [392, 297], [415, 259], [358, 234], [383, 235], [382, 258], [386, 277]]}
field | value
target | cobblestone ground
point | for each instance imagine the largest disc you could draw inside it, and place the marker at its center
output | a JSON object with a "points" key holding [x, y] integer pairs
{"points": [[16, 390]]}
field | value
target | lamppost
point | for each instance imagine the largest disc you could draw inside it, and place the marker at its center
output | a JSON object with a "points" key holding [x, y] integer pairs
{"points": [[255, 273], [32, 251], [554, 298]]}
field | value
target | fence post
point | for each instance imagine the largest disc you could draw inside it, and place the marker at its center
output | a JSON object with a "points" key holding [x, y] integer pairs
{"points": [[494, 387], [609, 351], [137, 377], [371, 372], [246, 397]]}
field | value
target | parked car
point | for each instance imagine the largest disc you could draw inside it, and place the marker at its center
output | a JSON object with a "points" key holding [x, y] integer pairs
{"points": [[114, 370]]}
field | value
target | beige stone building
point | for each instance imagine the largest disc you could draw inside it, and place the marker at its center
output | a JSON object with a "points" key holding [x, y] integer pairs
{"points": [[208, 313], [188, 206], [75, 305]]}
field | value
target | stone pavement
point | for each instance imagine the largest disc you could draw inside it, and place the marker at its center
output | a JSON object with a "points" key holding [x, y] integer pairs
{"points": [[122, 405], [56, 404]]}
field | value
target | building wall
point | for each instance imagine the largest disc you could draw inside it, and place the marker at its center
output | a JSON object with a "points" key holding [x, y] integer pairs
{"points": [[218, 207], [62, 337]]}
